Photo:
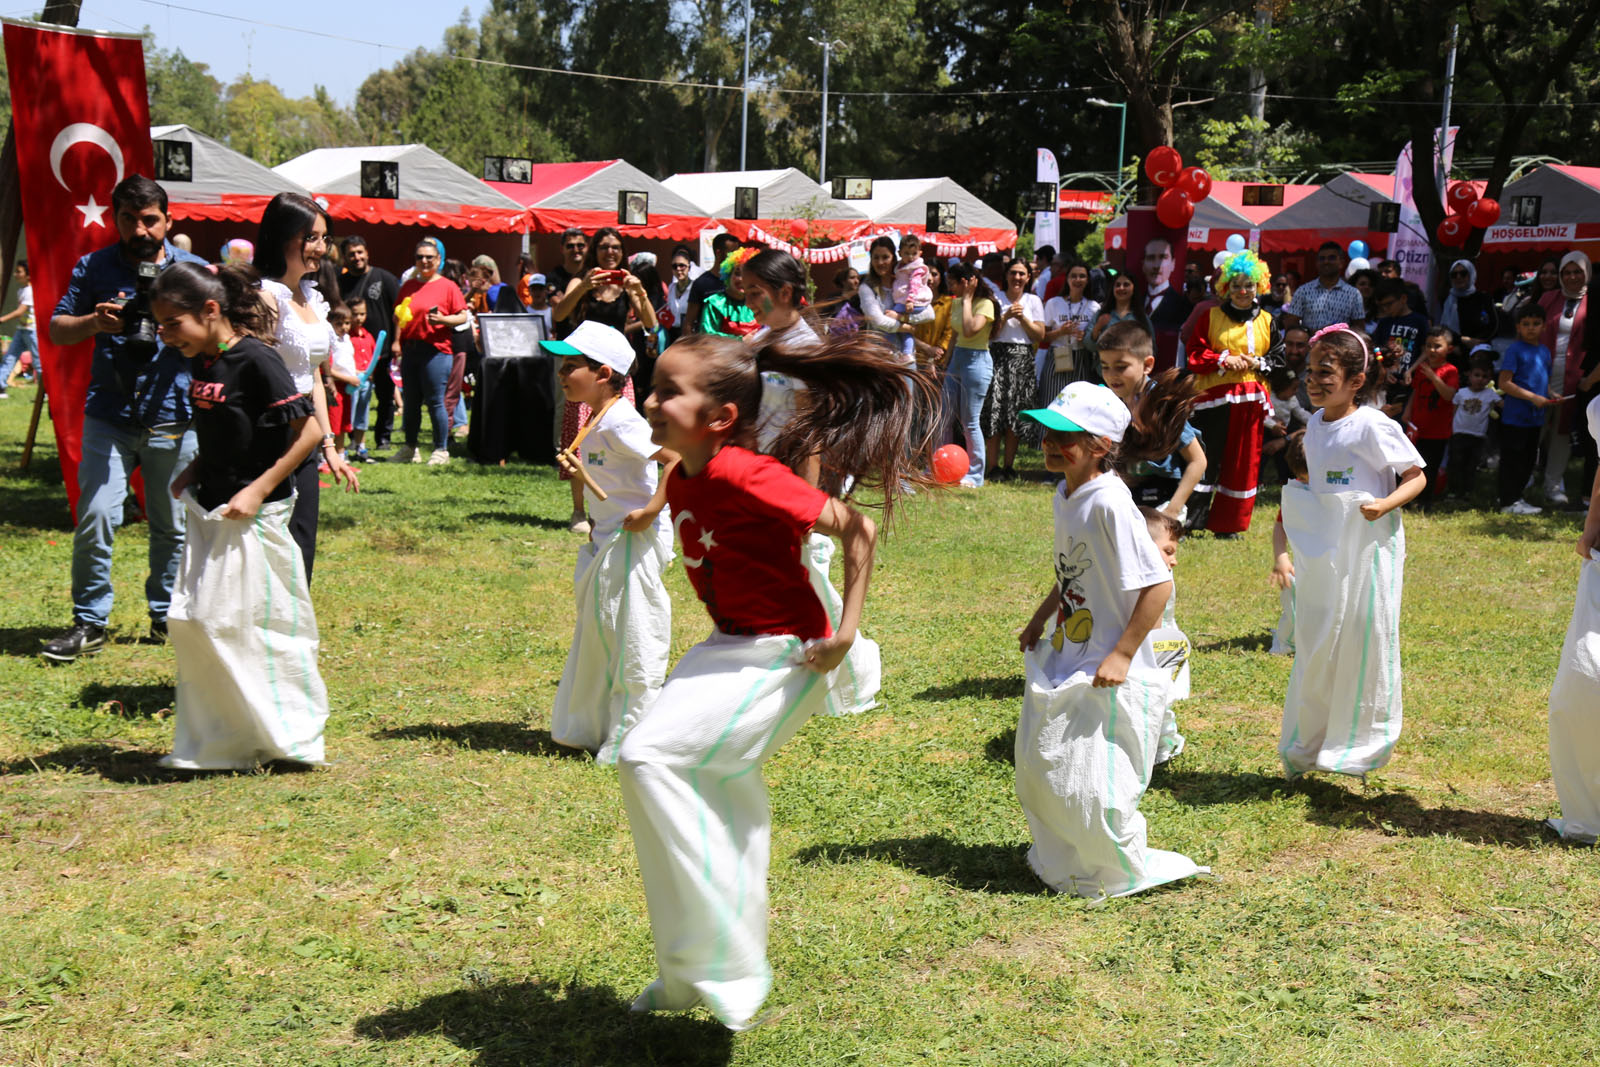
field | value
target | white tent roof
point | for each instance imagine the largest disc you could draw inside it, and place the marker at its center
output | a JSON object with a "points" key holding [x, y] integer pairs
{"points": [[218, 169], [598, 191], [425, 175], [783, 194], [904, 202]]}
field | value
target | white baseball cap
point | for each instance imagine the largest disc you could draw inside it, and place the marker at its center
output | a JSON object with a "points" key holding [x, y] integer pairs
{"points": [[536, 280], [1082, 407], [599, 342]]}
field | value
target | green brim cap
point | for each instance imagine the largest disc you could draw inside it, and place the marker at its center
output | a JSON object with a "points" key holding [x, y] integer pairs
{"points": [[1052, 420], [559, 348]]}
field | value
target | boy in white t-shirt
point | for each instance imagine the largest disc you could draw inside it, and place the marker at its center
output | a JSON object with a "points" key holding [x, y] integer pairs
{"points": [[1096, 695], [620, 644], [1470, 425]]}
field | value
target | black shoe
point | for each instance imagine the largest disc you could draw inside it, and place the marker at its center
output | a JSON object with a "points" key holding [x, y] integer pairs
{"points": [[84, 639], [158, 631], [1009, 474]]}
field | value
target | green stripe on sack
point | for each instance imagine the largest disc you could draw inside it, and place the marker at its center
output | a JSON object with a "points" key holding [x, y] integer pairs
{"points": [[266, 628], [1361, 674], [1111, 785]]}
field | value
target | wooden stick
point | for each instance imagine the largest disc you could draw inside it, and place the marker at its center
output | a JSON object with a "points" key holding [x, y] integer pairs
{"points": [[33, 422], [571, 451]]}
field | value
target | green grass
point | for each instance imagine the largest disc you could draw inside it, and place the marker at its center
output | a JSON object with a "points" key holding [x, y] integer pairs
{"points": [[455, 890]]}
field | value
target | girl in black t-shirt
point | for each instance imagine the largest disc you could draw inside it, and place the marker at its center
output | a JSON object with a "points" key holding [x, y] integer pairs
{"points": [[241, 623]]}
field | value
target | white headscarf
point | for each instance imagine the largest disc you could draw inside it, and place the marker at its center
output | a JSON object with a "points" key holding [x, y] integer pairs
{"points": [[1450, 315], [1583, 261]]}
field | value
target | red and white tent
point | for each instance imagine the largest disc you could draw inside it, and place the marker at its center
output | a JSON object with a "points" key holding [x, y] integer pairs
{"points": [[1223, 214], [436, 198], [1569, 214], [560, 195], [224, 185], [793, 212], [1336, 212], [901, 204]]}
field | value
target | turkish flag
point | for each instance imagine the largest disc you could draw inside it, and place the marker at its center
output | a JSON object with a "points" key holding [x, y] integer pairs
{"points": [[81, 118]]}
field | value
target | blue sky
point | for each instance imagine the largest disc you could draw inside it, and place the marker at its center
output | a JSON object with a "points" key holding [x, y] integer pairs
{"points": [[292, 59]]}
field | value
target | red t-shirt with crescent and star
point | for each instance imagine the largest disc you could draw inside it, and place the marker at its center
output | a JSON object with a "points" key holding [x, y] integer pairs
{"points": [[742, 524]]}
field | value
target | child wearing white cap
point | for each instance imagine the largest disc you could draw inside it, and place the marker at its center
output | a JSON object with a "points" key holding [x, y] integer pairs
{"points": [[618, 658], [1096, 695]]}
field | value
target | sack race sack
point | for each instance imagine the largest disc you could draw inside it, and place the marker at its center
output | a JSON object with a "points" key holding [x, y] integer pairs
{"points": [[860, 676], [1084, 757], [1575, 715], [690, 770], [621, 640], [245, 640], [1342, 712], [1283, 634], [1172, 650]]}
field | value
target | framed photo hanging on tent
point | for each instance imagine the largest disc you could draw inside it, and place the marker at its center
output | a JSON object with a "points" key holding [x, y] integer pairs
{"points": [[852, 188], [507, 169], [1042, 196], [1526, 210], [941, 216], [380, 179], [174, 161], [746, 202], [1384, 217], [633, 208]]}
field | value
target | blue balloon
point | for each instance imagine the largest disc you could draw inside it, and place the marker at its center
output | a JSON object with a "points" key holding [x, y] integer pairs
{"points": [[1235, 242], [1358, 250]]}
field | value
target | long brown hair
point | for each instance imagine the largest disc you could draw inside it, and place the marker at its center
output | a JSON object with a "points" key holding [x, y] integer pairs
{"points": [[1158, 421], [859, 414], [236, 287]]}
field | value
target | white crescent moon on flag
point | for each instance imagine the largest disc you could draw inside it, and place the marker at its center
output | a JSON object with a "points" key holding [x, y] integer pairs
{"points": [[83, 133]]}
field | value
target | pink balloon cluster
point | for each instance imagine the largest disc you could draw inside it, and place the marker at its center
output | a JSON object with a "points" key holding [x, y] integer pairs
{"points": [[1182, 187], [1468, 211]]}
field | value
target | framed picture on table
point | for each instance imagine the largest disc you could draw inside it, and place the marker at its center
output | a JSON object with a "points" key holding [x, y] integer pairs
{"points": [[511, 336]]}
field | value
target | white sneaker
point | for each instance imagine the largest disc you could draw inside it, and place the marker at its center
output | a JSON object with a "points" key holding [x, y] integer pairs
{"points": [[405, 454], [1555, 496], [439, 458], [1521, 507]]}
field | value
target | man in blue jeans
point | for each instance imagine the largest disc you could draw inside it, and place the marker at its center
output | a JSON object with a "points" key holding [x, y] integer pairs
{"points": [[136, 415]]}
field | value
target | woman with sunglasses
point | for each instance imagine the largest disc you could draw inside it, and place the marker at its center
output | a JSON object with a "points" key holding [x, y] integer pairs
{"points": [[431, 307], [290, 245]]}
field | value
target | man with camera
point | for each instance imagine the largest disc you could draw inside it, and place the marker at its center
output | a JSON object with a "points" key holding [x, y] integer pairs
{"points": [[136, 414]]}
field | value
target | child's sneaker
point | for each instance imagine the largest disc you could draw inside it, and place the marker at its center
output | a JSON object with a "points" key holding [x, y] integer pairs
{"points": [[439, 458], [1521, 507], [364, 456]]}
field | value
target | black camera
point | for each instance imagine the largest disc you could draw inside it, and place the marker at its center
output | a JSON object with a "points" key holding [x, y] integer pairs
{"points": [[140, 338]]}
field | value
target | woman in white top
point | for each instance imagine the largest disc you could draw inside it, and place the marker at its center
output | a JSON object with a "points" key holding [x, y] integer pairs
{"points": [[1017, 332], [1068, 319], [877, 298], [676, 310], [290, 243]]}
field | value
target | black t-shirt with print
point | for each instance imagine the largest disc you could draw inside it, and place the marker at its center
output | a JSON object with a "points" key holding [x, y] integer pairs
{"points": [[244, 401], [381, 292]]}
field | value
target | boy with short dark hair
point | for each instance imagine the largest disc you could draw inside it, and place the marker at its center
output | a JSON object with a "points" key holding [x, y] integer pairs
{"points": [[1397, 338], [1525, 384]]}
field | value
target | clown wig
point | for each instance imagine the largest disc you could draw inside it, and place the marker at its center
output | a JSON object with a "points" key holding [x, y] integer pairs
{"points": [[736, 259], [1244, 264]]}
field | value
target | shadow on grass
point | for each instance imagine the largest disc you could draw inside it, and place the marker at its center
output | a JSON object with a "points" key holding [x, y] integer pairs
{"points": [[1002, 748], [984, 868], [510, 736], [1518, 528], [531, 1023], [140, 700], [1008, 687], [1394, 814], [26, 640], [1242, 643], [34, 499], [130, 766], [518, 518]]}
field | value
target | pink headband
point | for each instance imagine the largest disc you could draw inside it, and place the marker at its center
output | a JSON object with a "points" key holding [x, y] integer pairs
{"points": [[1345, 327]]}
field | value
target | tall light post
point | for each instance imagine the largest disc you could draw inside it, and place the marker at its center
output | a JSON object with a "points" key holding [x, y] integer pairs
{"points": [[822, 159], [744, 115], [1122, 134]]}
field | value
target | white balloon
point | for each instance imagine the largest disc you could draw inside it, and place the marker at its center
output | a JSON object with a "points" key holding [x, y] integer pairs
{"points": [[1355, 265], [1219, 259], [1235, 242]]}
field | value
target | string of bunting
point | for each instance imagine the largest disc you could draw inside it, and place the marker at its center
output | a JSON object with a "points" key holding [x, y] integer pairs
{"points": [[842, 251]]}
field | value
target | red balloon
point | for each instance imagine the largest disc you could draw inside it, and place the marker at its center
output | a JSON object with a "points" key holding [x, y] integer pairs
{"points": [[1163, 164], [1452, 232], [1485, 213], [1174, 209], [950, 464], [1194, 182], [1461, 197]]}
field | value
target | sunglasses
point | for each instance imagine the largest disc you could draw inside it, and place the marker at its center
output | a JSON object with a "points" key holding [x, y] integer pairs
{"points": [[426, 259], [579, 245]]}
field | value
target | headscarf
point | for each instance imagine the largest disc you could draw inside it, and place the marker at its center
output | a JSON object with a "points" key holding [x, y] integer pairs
{"points": [[1450, 314], [1583, 261]]}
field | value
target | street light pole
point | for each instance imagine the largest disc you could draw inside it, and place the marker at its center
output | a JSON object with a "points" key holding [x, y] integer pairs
{"points": [[1122, 133], [822, 159], [744, 116]]}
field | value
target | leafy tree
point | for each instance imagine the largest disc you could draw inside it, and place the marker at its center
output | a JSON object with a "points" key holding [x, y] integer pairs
{"points": [[181, 90]]}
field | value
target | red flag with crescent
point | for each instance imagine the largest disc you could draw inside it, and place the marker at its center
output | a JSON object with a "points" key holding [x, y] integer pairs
{"points": [[81, 118]]}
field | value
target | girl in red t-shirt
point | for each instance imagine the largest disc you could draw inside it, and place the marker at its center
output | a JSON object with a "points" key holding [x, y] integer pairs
{"points": [[690, 764], [1434, 383]]}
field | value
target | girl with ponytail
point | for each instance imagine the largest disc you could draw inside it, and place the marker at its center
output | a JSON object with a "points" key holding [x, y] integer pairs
{"points": [[690, 765], [241, 623]]}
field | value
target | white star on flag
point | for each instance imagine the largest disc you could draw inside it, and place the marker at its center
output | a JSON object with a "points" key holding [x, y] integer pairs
{"points": [[93, 213], [707, 541]]}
